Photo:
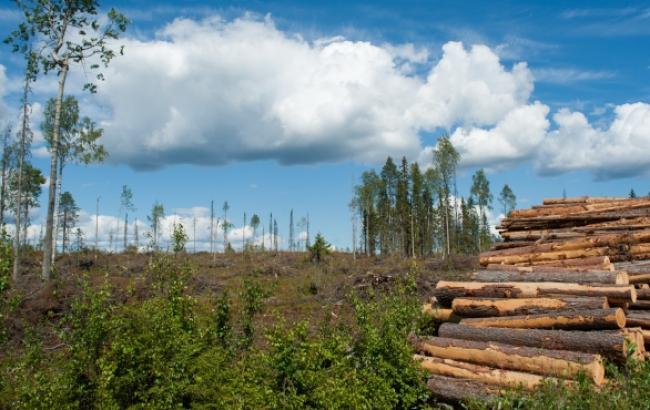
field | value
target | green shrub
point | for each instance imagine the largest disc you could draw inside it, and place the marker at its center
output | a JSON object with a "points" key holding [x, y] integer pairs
{"points": [[319, 249]]}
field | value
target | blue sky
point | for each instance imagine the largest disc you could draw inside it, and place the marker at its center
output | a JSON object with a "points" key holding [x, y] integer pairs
{"points": [[277, 105]]}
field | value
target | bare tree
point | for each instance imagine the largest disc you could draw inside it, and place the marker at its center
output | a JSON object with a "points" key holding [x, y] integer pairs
{"points": [[68, 33]]}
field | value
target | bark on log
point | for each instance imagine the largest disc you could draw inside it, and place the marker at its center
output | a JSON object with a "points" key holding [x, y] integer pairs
{"points": [[463, 370], [580, 265], [640, 305], [581, 200], [488, 307], [589, 242], [614, 278], [638, 319], [450, 389], [556, 363], [532, 258], [446, 291], [642, 278], [585, 319], [643, 294], [612, 345], [634, 267]]}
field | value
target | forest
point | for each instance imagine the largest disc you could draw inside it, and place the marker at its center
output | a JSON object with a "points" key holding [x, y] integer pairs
{"points": [[149, 321]]}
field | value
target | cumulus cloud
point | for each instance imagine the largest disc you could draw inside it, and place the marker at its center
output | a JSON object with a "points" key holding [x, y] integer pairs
{"points": [[195, 222], [616, 151], [214, 91], [517, 136]]}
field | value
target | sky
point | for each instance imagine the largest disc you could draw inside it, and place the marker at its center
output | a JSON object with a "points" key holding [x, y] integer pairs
{"points": [[281, 105]]}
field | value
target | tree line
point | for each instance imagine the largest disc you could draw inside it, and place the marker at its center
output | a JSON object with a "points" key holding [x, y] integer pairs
{"points": [[413, 212]]}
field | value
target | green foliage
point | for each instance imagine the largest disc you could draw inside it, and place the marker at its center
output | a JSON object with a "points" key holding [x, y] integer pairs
{"points": [[222, 316], [319, 249], [6, 260], [628, 388], [179, 238], [252, 297], [161, 353], [6, 268]]}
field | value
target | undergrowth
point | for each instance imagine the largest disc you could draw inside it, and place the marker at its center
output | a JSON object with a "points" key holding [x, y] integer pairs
{"points": [[171, 351]]}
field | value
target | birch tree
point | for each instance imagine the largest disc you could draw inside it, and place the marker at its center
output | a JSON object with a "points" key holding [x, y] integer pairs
{"points": [[68, 34]]}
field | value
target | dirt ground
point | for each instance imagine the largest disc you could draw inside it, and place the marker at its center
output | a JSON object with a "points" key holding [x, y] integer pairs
{"points": [[299, 289]]}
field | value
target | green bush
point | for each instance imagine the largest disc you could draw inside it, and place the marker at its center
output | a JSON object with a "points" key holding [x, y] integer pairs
{"points": [[319, 249]]}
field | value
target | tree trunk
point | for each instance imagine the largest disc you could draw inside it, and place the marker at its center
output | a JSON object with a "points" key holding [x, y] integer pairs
{"points": [[555, 363], [59, 187], [21, 162], [615, 278], [3, 186], [583, 319], [47, 254], [613, 345], [446, 291], [483, 374], [486, 307], [455, 390], [126, 225]]}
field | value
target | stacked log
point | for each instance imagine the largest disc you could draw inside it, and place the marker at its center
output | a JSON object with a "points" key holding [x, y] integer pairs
{"points": [[568, 287]]}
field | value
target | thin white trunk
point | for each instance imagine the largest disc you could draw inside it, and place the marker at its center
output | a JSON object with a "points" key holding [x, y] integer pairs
{"points": [[19, 196], [47, 254]]}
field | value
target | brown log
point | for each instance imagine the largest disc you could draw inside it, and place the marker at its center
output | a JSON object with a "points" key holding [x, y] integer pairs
{"points": [[446, 291], [450, 389], [584, 319], [589, 242], [612, 345], [488, 307], [579, 265], [640, 305], [643, 293], [642, 278], [484, 374], [439, 314], [634, 267], [590, 263], [556, 363], [581, 200], [607, 277], [531, 258], [638, 319]]}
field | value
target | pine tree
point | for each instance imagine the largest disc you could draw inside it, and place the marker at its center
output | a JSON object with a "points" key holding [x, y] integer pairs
{"points": [[126, 206], [445, 161], [255, 223], [632, 193], [155, 219], [507, 199], [481, 194], [69, 217]]}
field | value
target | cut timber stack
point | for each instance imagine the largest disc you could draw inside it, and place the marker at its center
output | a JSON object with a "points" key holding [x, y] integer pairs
{"points": [[567, 288]]}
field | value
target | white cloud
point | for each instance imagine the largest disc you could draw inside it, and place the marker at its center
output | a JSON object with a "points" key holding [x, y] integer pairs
{"points": [[517, 136], [213, 91], [570, 75], [616, 151]]}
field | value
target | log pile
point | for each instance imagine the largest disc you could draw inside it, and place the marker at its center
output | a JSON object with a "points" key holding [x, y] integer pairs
{"points": [[568, 288]]}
